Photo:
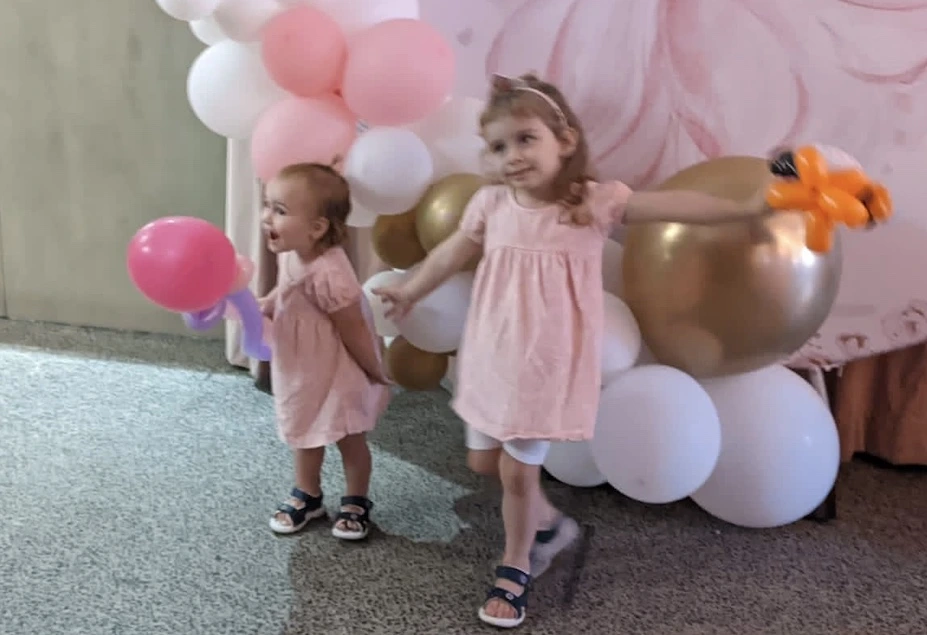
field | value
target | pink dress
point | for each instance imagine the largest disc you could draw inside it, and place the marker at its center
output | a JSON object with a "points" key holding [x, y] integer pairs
{"points": [[529, 364], [321, 394]]}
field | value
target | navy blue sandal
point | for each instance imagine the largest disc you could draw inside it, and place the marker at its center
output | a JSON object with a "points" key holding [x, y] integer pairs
{"points": [[517, 602], [299, 517], [361, 521]]}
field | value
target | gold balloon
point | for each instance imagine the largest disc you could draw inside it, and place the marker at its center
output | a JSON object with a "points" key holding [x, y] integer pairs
{"points": [[730, 297], [395, 240], [413, 368], [438, 213]]}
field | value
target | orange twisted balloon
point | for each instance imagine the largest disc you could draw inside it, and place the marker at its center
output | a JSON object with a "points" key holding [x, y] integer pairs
{"points": [[843, 196]]}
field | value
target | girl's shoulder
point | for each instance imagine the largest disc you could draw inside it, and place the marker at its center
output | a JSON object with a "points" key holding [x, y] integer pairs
{"points": [[492, 195], [607, 200], [607, 192]]}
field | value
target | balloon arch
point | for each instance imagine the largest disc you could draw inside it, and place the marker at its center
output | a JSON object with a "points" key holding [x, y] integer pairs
{"points": [[695, 402]]}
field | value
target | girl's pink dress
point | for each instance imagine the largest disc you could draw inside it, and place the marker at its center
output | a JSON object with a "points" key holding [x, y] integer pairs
{"points": [[321, 394], [529, 364]]}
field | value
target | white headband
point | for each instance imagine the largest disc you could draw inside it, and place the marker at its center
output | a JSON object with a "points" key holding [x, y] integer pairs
{"points": [[503, 83]]}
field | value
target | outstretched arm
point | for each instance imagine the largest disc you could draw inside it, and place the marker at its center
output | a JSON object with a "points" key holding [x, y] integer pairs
{"points": [[358, 340], [680, 206], [444, 261]]}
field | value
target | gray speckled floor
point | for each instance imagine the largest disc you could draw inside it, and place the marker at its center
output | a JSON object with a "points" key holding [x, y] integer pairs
{"points": [[137, 473]]}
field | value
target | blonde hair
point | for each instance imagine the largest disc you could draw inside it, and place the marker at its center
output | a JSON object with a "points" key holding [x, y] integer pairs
{"points": [[519, 98], [333, 196]]}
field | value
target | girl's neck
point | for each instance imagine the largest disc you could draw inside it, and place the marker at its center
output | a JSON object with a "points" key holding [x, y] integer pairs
{"points": [[308, 254], [538, 198]]}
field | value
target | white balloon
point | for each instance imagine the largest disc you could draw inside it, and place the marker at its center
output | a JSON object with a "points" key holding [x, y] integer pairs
{"points": [[360, 216], [207, 31], [388, 169], [188, 9], [621, 339], [228, 89], [356, 15], [657, 435], [458, 117], [612, 271], [572, 463], [242, 20], [384, 326], [780, 453], [454, 155], [452, 135], [436, 322]]}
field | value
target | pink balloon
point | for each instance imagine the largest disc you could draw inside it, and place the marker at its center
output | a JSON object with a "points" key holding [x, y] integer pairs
{"points": [[398, 71], [301, 130], [304, 51], [182, 263]]}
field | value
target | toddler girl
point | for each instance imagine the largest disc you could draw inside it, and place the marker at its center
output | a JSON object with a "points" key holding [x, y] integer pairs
{"points": [[529, 363], [328, 382]]}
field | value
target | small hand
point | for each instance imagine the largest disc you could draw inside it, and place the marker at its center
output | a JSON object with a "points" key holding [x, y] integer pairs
{"points": [[757, 205], [383, 378], [399, 300], [267, 305]]}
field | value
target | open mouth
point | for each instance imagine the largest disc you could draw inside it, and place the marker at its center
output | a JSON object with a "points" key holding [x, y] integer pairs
{"points": [[272, 235], [519, 173]]}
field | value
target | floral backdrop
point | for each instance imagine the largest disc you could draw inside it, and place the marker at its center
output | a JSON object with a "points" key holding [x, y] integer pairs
{"points": [[663, 84]]}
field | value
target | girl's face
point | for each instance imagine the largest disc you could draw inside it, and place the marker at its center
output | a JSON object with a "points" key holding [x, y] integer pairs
{"points": [[525, 153], [289, 218]]}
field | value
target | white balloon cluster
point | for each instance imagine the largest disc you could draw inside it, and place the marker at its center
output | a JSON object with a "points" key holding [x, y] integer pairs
{"points": [[756, 450]]}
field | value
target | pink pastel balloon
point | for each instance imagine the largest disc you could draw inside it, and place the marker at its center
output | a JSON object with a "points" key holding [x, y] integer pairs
{"points": [[304, 51], [182, 263], [301, 130], [398, 71]]}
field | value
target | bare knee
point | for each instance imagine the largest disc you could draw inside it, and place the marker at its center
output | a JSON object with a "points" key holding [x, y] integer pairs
{"points": [[519, 479], [353, 443], [484, 462]]}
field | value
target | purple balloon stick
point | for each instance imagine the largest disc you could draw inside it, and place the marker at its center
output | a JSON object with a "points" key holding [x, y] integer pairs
{"points": [[205, 319], [252, 322]]}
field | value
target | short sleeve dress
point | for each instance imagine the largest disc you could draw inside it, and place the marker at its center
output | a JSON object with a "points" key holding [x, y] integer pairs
{"points": [[321, 394], [529, 364]]}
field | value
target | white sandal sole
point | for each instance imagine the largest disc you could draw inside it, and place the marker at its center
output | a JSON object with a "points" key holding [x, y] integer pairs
{"points": [[502, 622], [349, 535], [285, 528]]}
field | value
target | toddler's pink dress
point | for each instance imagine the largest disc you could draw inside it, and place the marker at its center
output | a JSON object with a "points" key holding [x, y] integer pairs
{"points": [[529, 364], [321, 394]]}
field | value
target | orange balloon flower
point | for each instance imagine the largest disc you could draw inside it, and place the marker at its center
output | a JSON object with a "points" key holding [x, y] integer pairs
{"points": [[842, 196]]}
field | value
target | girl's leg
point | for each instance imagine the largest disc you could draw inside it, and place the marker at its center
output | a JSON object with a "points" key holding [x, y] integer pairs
{"points": [[487, 463], [305, 502], [307, 464], [355, 455], [521, 502]]}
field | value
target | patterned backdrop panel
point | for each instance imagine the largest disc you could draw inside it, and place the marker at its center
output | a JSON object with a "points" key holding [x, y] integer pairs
{"points": [[662, 84]]}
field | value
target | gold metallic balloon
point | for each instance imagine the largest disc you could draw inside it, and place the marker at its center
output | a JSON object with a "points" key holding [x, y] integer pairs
{"points": [[731, 297], [438, 213], [395, 240], [413, 368]]}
